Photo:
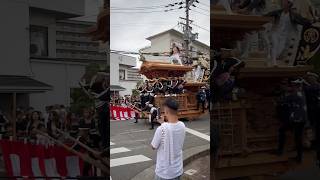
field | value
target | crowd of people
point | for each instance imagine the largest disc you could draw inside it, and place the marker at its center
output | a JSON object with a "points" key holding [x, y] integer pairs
{"points": [[55, 118], [149, 89]]}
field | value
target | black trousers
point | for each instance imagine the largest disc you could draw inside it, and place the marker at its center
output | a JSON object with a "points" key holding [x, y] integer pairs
{"points": [[203, 104], [153, 118], [136, 116], [297, 128]]}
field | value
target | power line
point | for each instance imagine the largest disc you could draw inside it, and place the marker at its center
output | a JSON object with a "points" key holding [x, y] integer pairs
{"points": [[200, 27], [138, 8], [144, 23], [200, 13], [147, 53], [204, 4], [148, 7], [203, 9], [170, 10], [141, 7]]}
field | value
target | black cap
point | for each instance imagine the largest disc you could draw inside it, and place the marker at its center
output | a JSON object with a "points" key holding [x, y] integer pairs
{"points": [[171, 104]]}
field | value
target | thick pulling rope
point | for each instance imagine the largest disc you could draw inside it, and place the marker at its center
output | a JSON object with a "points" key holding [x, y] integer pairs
{"points": [[101, 164]]}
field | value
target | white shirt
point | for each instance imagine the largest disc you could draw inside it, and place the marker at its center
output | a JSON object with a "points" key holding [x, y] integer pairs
{"points": [[168, 140], [284, 23], [175, 57]]}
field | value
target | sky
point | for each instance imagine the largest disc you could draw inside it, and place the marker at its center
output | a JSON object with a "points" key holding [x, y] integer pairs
{"points": [[132, 21], [92, 9]]}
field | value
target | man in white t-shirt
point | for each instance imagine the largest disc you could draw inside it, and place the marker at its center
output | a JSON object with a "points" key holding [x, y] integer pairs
{"points": [[168, 140]]}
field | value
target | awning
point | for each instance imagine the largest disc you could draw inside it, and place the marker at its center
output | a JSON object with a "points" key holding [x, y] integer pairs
{"points": [[22, 84], [117, 88]]}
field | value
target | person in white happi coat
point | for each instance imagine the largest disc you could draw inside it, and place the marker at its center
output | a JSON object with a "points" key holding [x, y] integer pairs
{"points": [[286, 31]]}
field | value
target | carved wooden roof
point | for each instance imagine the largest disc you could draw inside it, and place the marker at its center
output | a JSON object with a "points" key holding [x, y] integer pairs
{"points": [[156, 70]]}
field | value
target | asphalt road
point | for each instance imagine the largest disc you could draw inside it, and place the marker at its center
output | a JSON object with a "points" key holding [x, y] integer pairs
{"points": [[130, 145]]}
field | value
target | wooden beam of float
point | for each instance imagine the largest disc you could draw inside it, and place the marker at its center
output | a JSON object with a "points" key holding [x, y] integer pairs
{"points": [[229, 28], [156, 70], [273, 72]]}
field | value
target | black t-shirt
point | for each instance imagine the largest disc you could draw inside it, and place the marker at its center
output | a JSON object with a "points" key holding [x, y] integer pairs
{"points": [[22, 125], [2, 119], [84, 124]]}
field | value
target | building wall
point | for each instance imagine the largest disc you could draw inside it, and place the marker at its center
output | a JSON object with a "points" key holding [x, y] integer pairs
{"points": [[160, 44], [72, 7], [129, 85], [62, 76], [164, 42], [114, 69], [6, 102], [49, 21], [115, 61], [74, 43], [14, 35], [195, 45], [126, 63]]}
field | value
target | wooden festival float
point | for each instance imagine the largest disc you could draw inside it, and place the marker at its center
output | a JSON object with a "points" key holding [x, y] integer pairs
{"points": [[247, 126], [187, 100]]}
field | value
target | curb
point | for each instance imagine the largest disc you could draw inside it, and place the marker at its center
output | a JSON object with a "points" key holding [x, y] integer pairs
{"points": [[188, 156]]}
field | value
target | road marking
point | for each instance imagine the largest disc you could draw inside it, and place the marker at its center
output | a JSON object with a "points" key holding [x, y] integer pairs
{"points": [[128, 160], [128, 132], [197, 133], [119, 150], [111, 143], [128, 142], [191, 172]]}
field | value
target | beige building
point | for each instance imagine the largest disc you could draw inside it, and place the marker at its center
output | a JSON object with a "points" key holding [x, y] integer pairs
{"points": [[124, 74], [162, 42]]}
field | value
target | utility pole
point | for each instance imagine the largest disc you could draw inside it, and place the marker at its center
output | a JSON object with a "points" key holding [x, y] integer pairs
{"points": [[186, 32], [188, 36]]}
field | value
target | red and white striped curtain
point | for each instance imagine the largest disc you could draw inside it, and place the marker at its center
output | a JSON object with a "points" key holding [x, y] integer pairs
{"points": [[121, 113], [31, 161]]}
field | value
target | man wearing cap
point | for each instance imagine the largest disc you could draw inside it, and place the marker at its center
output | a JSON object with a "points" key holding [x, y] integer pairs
{"points": [[154, 113], [168, 140], [294, 117], [312, 91]]}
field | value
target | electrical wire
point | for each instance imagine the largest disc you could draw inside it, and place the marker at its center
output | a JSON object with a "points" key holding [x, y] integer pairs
{"points": [[204, 4], [200, 27], [147, 7], [143, 23], [123, 12], [207, 10], [149, 53], [200, 12], [138, 7]]}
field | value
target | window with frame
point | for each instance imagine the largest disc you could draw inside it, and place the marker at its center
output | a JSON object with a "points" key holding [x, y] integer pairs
{"points": [[122, 74], [38, 41]]}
